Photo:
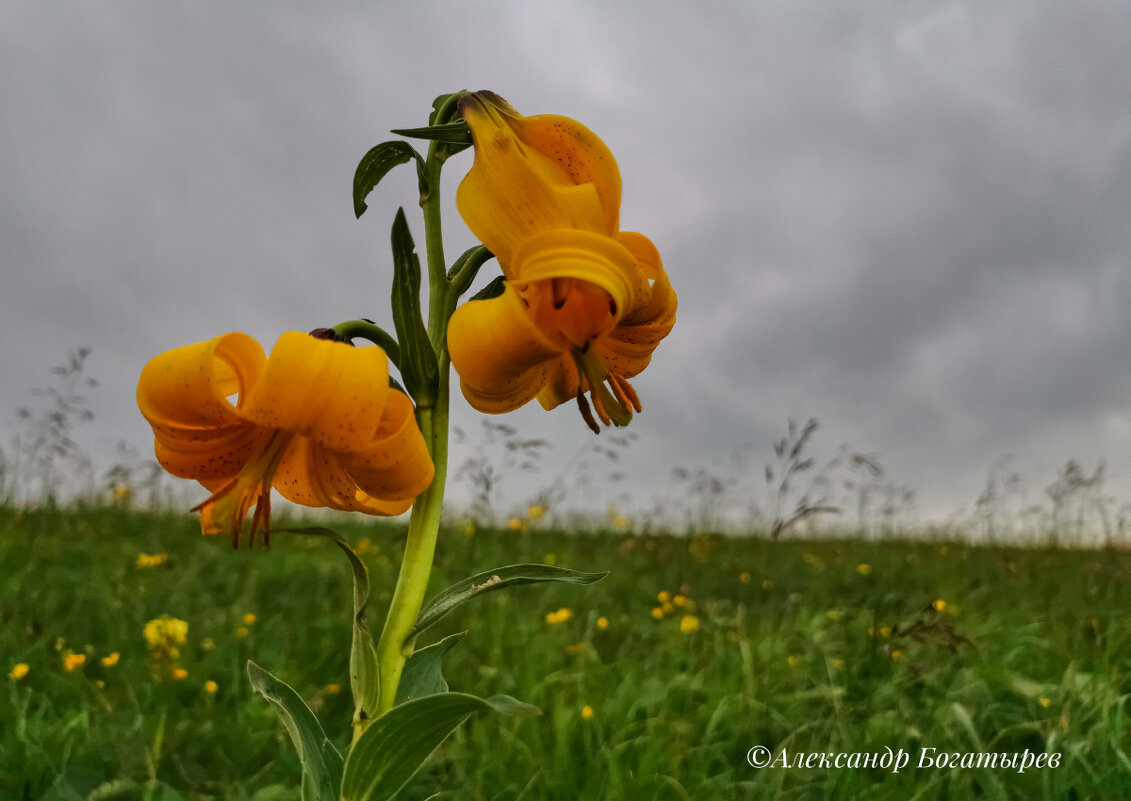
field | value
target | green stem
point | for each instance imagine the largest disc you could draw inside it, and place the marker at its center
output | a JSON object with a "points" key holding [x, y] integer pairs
{"points": [[363, 329], [394, 648]]}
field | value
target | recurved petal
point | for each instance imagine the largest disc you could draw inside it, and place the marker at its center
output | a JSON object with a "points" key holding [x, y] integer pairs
{"points": [[501, 356], [532, 174], [658, 301], [397, 465], [188, 387], [329, 391], [313, 475], [562, 383], [183, 394]]}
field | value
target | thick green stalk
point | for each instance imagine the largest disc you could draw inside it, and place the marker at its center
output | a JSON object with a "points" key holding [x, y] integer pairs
{"points": [[424, 524]]}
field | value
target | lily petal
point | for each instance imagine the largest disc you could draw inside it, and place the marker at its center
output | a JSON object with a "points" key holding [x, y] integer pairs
{"points": [[502, 358], [532, 174], [318, 388]]}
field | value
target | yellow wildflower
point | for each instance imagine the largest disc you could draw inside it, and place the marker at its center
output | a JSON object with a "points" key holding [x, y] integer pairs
{"points": [[668, 607], [516, 524], [248, 619], [587, 712], [577, 648], [885, 631], [166, 634], [206, 644], [1044, 702], [534, 512], [73, 662], [837, 663], [688, 624], [657, 613], [180, 673], [550, 559], [111, 659], [242, 632], [18, 671], [863, 569], [897, 655], [602, 623], [211, 687], [744, 577], [793, 660], [333, 689], [939, 605], [151, 560], [680, 600], [663, 596]]}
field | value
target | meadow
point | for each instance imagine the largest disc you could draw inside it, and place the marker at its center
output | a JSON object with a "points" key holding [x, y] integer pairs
{"points": [[654, 683]]}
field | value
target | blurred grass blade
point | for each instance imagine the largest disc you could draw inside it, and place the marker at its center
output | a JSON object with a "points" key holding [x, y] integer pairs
{"points": [[321, 762], [509, 576], [423, 672]]}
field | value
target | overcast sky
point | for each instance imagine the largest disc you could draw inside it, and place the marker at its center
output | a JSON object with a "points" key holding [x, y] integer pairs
{"points": [[908, 219]]}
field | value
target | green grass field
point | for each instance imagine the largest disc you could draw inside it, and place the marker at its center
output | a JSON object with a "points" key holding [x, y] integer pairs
{"points": [[811, 648]]}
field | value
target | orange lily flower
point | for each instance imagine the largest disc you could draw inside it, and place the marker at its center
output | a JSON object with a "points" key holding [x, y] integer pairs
{"points": [[317, 421], [584, 304]]}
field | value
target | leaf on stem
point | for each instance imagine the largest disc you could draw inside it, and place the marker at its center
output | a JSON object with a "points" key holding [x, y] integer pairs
{"points": [[392, 750], [423, 672], [419, 367], [376, 164], [321, 762], [491, 580]]}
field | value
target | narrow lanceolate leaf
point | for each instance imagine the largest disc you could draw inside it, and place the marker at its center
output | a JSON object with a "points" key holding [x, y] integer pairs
{"points": [[392, 750], [453, 133], [365, 678], [419, 367], [423, 672], [496, 287], [376, 164], [321, 762], [509, 576]]}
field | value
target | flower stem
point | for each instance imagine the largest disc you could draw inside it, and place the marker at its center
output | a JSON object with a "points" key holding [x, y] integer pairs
{"points": [[394, 649]]}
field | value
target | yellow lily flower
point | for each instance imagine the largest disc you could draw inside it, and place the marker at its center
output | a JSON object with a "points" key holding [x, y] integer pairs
{"points": [[584, 304], [317, 420]]}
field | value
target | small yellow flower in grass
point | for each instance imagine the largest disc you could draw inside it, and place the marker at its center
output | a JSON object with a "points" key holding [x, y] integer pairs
{"points": [[863, 569], [793, 660], [587, 712], [333, 689], [689, 624], [100, 684], [939, 605], [18, 671], [681, 600], [165, 634], [365, 547], [206, 644], [111, 659], [561, 616], [834, 614], [897, 655], [1044, 702], [72, 662], [121, 493], [744, 577], [657, 612], [550, 559], [668, 608], [211, 687], [885, 631], [534, 511], [663, 596], [180, 673], [242, 632], [151, 560], [248, 619], [837, 663], [516, 524], [577, 648], [602, 623]]}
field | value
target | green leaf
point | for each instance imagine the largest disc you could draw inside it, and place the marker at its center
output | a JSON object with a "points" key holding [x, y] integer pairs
{"points": [[365, 672], [509, 576], [419, 367], [452, 133], [376, 164], [321, 762], [423, 672], [497, 286], [392, 750]]}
